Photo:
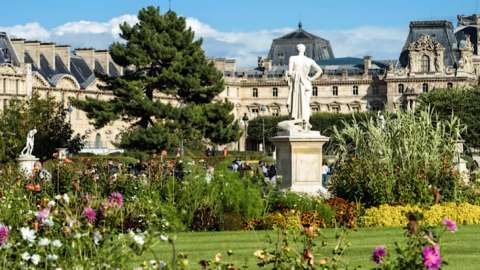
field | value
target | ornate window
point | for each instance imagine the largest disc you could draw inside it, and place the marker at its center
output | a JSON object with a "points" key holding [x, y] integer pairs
{"points": [[255, 92], [275, 92], [315, 91], [449, 85], [355, 90], [425, 88], [425, 63], [401, 88], [98, 141], [335, 90]]}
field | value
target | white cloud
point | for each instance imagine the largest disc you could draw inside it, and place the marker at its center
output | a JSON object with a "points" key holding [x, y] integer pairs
{"points": [[31, 30], [379, 42]]}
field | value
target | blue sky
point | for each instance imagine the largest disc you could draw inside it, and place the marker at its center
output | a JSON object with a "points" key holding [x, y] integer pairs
{"points": [[241, 29]]}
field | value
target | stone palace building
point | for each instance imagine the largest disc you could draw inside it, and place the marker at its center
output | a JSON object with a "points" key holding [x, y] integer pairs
{"points": [[435, 55]]}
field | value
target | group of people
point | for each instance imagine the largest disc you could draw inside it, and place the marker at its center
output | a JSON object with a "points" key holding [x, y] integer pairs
{"points": [[267, 172]]}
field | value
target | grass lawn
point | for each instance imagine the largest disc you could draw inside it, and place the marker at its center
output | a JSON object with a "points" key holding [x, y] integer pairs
{"points": [[460, 249]]}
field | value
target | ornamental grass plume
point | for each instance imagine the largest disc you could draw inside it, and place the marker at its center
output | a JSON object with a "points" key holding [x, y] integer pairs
{"points": [[431, 257], [90, 215], [450, 225], [116, 199], [4, 232], [378, 253]]}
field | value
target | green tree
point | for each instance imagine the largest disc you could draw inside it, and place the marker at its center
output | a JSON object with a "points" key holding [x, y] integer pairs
{"points": [[463, 103], [163, 59], [48, 117]]}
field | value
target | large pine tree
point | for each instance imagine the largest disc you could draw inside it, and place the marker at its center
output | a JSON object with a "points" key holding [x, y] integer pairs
{"points": [[163, 59]]}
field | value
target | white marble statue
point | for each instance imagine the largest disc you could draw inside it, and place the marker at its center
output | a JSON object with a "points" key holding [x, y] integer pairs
{"points": [[28, 149], [300, 90]]}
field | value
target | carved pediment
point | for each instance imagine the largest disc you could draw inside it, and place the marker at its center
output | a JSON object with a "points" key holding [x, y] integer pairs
{"points": [[425, 43], [7, 69]]}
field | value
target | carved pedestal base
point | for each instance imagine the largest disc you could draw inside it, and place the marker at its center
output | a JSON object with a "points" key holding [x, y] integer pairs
{"points": [[26, 164], [299, 161]]}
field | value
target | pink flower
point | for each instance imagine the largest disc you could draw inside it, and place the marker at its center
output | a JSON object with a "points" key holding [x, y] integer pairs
{"points": [[4, 232], [43, 214], [450, 225], [431, 257], [116, 199], [378, 254], [90, 214]]}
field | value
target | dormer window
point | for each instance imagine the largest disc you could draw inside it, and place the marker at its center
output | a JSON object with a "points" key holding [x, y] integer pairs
{"points": [[425, 64]]}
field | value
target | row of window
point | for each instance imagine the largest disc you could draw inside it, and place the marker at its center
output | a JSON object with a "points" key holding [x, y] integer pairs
{"points": [[425, 87], [314, 91]]}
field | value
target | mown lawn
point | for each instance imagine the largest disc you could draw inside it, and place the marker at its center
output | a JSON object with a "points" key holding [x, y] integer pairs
{"points": [[461, 249]]}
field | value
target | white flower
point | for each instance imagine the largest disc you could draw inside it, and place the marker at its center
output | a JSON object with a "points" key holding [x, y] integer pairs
{"points": [[35, 259], [77, 236], [139, 239], [52, 257], [153, 263], [25, 256], [51, 204], [162, 264], [163, 238], [57, 243], [66, 199], [57, 197], [27, 234], [48, 222], [97, 237], [43, 242]]}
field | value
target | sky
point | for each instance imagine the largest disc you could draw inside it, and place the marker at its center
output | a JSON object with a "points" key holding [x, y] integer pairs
{"points": [[240, 29]]}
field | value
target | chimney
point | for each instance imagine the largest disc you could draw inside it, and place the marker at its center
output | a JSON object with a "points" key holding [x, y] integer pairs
{"points": [[48, 51], [19, 45], [88, 55], [32, 47], [367, 64], [63, 51], [103, 57]]}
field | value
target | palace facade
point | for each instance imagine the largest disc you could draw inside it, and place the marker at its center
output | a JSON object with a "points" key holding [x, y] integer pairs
{"points": [[435, 55]]}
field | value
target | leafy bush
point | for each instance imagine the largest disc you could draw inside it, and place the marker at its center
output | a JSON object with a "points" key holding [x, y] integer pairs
{"points": [[404, 159]]}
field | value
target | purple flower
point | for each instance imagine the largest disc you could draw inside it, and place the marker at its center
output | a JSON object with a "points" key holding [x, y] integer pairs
{"points": [[378, 254], [90, 214], [4, 231], [431, 257], [43, 214], [450, 224], [116, 199]]}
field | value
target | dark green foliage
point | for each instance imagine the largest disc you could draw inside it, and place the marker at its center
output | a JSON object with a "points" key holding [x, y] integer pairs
{"points": [[463, 103], [48, 117], [163, 58], [324, 122]]}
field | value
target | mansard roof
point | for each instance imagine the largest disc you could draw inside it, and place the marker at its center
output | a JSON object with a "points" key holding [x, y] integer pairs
{"points": [[440, 31], [52, 66], [284, 47]]}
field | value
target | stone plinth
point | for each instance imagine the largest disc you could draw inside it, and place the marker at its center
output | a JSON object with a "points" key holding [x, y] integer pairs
{"points": [[26, 164], [299, 161]]}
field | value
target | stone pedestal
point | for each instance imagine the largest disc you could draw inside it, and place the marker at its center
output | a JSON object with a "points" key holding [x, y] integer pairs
{"points": [[299, 161], [26, 164]]}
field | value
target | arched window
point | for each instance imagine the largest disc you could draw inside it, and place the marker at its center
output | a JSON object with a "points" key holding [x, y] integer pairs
{"points": [[98, 141], [275, 92], [425, 63], [255, 92], [355, 90], [401, 88], [450, 85], [425, 88], [315, 91], [335, 90]]}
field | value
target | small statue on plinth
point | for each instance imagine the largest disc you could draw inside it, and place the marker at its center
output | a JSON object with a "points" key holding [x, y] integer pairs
{"points": [[27, 160], [28, 149]]}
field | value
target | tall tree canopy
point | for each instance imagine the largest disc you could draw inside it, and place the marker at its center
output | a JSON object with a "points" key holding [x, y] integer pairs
{"points": [[163, 59]]}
